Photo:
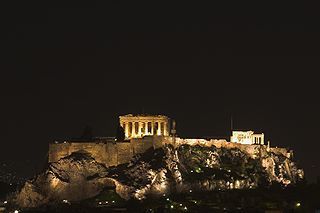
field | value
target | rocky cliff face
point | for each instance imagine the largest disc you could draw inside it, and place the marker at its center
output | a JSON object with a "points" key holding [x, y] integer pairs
{"points": [[158, 172]]}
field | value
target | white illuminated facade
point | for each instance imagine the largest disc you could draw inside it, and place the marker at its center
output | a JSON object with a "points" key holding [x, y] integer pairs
{"points": [[247, 137]]}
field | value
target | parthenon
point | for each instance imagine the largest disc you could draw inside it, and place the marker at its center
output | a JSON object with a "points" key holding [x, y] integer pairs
{"points": [[137, 126]]}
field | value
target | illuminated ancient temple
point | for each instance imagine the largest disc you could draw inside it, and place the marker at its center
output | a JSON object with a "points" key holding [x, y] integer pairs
{"points": [[143, 132], [137, 126], [247, 137]]}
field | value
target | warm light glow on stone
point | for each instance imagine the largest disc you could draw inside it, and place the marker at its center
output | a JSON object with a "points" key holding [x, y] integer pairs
{"points": [[247, 137], [138, 126], [54, 182]]}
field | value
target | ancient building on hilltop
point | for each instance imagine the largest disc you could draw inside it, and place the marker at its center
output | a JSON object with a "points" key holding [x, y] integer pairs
{"points": [[247, 137], [143, 132], [138, 126]]}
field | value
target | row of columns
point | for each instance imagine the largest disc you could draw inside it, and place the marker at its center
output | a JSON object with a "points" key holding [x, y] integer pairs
{"points": [[258, 139], [143, 128]]}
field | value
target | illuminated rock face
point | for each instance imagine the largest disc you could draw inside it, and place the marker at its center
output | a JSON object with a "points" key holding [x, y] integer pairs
{"points": [[152, 163], [159, 171], [137, 126], [75, 177]]}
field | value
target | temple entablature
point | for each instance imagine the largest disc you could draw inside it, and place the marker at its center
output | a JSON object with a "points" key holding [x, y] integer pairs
{"points": [[138, 126]]}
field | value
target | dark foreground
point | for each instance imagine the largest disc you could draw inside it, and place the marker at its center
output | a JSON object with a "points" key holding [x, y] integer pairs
{"points": [[304, 198]]}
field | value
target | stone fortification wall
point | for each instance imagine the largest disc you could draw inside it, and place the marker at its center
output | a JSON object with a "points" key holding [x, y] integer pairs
{"points": [[253, 150], [107, 153], [102, 152], [113, 154], [140, 145]]}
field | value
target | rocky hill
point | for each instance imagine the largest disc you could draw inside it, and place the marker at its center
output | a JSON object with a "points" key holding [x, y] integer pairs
{"points": [[157, 172]]}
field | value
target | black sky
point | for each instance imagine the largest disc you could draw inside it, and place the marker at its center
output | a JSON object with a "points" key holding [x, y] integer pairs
{"points": [[67, 66]]}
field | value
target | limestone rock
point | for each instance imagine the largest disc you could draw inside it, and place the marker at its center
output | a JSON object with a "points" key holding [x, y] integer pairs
{"points": [[30, 196], [73, 178], [160, 171]]}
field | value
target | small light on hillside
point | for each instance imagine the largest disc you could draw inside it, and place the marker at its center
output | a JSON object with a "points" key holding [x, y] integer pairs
{"points": [[65, 201]]}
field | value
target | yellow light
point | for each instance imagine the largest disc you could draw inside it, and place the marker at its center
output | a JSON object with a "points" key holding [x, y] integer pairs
{"points": [[171, 206], [298, 204], [54, 182]]}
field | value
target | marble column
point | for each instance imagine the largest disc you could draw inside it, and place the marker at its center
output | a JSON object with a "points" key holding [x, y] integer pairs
{"points": [[146, 128], [126, 131], [152, 128], [133, 129], [139, 129], [159, 128]]}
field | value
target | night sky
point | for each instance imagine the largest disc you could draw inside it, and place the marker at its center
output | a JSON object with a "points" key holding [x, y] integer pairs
{"points": [[67, 66]]}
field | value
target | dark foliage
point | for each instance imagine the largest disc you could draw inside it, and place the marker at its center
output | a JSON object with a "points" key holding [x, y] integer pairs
{"points": [[120, 135]]}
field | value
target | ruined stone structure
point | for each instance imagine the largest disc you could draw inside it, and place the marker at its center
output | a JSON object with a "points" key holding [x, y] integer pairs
{"points": [[143, 125], [247, 137], [143, 132]]}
